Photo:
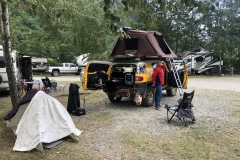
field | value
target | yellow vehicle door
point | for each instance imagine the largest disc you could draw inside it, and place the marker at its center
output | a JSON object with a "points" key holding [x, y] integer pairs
{"points": [[96, 74]]}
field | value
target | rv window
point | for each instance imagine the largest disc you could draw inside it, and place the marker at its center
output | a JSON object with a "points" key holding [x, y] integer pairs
{"points": [[162, 44], [199, 59], [34, 65], [2, 62], [131, 44]]}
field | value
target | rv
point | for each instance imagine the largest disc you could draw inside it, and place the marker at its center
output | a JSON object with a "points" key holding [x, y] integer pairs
{"points": [[82, 61], [3, 73], [200, 63], [39, 64], [19, 63]]}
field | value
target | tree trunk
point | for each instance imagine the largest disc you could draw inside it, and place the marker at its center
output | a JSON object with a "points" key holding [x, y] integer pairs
{"points": [[220, 65], [176, 49], [6, 50], [238, 63]]}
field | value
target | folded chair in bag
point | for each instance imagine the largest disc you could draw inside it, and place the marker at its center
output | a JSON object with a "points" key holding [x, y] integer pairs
{"points": [[73, 106], [183, 110], [49, 85]]}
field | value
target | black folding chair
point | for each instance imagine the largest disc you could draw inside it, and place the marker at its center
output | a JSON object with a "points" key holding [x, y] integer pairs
{"points": [[49, 85], [183, 110]]}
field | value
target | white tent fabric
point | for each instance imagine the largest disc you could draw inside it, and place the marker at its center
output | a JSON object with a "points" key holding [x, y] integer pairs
{"points": [[45, 120]]}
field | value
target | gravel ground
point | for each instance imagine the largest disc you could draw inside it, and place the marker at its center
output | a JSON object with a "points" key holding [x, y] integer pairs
{"points": [[215, 101], [105, 124]]}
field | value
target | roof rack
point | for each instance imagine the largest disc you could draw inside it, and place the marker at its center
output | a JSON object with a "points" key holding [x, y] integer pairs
{"points": [[125, 29]]}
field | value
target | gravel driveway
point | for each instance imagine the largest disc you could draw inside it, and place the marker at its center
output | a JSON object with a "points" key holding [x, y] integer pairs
{"points": [[219, 83], [215, 101], [124, 131], [216, 83]]}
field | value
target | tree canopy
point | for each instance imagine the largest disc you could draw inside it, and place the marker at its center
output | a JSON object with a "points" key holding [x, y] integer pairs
{"points": [[64, 29]]}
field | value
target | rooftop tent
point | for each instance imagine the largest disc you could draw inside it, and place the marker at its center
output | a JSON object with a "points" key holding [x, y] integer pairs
{"points": [[40, 121], [142, 44]]}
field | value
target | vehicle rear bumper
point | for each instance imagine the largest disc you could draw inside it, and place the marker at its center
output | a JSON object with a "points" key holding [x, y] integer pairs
{"points": [[125, 92]]}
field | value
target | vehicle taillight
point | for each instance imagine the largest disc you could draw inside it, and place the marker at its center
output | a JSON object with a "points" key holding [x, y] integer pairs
{"points": [[139, 78]]}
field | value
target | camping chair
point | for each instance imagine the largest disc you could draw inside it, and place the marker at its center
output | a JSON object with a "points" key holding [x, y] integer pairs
{"points": [[49, 85], [183, 110]]}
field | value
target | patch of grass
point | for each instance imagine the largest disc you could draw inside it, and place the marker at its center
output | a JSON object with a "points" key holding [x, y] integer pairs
{"points": [[187, 144], [140, 145], [101, 118], [199, 143]]}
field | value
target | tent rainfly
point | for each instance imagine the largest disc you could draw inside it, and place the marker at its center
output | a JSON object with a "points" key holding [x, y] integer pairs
{"points": [[43, 120]]}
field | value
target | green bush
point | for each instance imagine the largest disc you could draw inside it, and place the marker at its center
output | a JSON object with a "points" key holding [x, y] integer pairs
{"points": [[53, 62]]}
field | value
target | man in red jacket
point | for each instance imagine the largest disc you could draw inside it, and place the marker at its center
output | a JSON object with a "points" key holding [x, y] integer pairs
{"points": [[158, 82]]}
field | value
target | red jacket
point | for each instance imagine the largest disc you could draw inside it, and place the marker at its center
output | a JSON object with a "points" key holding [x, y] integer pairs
{"points": [[158, 72]]}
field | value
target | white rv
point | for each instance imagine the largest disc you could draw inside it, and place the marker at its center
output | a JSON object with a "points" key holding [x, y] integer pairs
{"points": [[201, 63], [82, 61], [39, 64], [4, 86]]}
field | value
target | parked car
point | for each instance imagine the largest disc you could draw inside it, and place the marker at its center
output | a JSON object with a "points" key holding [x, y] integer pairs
{"points": [[64, 68]]}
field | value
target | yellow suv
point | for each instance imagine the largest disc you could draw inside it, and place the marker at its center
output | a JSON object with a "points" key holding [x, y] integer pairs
{"points": [[130, 70]]}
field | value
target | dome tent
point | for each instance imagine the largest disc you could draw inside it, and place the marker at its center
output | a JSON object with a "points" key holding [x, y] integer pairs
{"points": [[43, 120]]}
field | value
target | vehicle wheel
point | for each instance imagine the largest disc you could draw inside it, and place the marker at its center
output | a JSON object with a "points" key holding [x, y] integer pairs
{"points": [[0, 79], [114, 99], [149, 98], [171, 91], [207, 72], [196, 72], [55, 73], [78, 72]]}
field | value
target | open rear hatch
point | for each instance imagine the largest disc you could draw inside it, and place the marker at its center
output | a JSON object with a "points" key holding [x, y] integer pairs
{"points": [[122, 77], [96, 75]]}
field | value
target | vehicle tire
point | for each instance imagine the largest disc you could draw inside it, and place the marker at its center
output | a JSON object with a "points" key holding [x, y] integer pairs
{"points": [[0, 79], [196, 72], [78, 72], [114, 99], [149, 97], [171, 91], [207, 72], [55, 73]]}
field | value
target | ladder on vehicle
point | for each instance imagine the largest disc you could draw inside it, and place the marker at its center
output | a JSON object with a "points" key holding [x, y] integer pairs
{"points": [[176, 76]]}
